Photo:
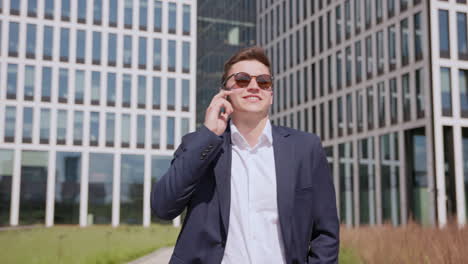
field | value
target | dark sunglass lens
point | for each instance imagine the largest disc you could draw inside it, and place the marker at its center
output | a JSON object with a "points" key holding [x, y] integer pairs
{"points": [[242, 79], [264, 81]]}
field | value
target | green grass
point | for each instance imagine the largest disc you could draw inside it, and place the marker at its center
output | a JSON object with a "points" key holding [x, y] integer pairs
{"points": [[348, 256], [95, 244]]}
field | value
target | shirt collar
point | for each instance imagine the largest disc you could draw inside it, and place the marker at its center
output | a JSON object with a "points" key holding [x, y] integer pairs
{"points": [[238, 139]]}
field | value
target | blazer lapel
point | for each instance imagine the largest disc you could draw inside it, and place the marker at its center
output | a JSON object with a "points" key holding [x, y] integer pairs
{"points": [[285, 181], [222, 172]]}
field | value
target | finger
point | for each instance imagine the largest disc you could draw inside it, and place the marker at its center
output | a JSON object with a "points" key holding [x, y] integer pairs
{"points": [[222, 94]]}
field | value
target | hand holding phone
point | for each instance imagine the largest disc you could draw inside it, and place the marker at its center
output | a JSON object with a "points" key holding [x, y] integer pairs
{"points": [[216, 119]]}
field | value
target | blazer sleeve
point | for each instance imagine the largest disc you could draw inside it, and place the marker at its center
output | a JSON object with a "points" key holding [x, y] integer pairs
{"points": [[171, 194], [324, 243]]}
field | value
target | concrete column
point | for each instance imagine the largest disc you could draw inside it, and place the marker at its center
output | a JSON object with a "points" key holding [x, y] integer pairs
{"points": [[116, 191], [15, 188], [84, 189], [50, 189], [147, 191], [356, 190], [402, 177], [459, 180], [378, 189]]}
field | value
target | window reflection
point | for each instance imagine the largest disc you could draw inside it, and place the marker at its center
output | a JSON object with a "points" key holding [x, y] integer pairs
{"points": [[463, 86], [444, 33], [131, 189], [78, 128], [97, 12], [110, 129], [29, 74], [10, 122], [186, 20], [143, 15], [157, 23], [101, 171], [32, 7], [61, 127], [156, 93], [155, 132], [346, 182], [79, 86], [49, 9], [125, 131], [170, 132], [95, 87], [185, 57], [406, 97], [64, 43], [33, 187], [96, 48], [6, 176], [141, 131], [446, 89], [111, 82], [172, 18], [159, 166], [127, 54], [185, 95], [12, 81], [44, 126], [141, 91], [171, 93], [113, 5], [128, 16], [80, 46], [112, 50], [31, 41], [82, 11], [65, 10], [67, 188], [172, 56], [157, 54], [63, 86], [27, 124], [142, 53], [13, 39], [94, 129], [127, 90], [367, 211], [390, 178], [46, 84], [48, 43]]}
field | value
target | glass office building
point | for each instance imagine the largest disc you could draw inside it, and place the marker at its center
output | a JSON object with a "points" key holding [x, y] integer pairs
{"points": [[384, 84], [224, 27], [95, 96]]}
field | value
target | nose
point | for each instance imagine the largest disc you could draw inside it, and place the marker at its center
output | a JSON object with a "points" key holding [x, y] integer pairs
{"points": [[253, 86]]}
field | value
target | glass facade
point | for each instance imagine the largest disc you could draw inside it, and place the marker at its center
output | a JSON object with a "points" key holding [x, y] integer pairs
{"points": [[67, 188], [101, 171], [6, 176], [131, 189]]}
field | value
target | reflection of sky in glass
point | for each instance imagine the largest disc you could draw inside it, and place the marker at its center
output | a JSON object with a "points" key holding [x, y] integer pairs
{"points": [[67, 172], [132, 172], [159, 166]]}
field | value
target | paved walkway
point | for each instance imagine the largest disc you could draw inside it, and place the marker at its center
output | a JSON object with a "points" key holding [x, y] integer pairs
{"points": [[160, 256]]}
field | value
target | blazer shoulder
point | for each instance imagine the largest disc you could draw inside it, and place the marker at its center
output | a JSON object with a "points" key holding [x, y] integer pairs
{"points": [[299, 135]]}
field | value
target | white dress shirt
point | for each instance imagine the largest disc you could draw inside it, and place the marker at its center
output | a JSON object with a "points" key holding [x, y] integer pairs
{"points": [[254, 234]]}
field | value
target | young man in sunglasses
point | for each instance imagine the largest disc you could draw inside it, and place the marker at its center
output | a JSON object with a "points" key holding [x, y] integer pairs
{"points": [[254, 192]]}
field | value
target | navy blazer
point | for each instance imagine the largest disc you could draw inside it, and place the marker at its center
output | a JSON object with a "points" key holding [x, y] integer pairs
{"points": [[199, 179]]}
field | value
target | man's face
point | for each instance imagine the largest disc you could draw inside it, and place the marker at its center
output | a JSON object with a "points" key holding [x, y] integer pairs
{"points": [[251, 99]]}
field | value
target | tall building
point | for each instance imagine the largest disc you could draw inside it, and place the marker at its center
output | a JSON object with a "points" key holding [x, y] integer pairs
{"points": [[94, 98], [224, 27], [384, 83]]}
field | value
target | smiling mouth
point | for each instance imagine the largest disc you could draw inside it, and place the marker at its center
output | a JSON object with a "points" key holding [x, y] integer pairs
{"points": [[252, 98]]}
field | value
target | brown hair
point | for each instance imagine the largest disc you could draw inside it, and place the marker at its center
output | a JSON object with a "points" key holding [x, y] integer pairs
{"points": [[251, 53]]}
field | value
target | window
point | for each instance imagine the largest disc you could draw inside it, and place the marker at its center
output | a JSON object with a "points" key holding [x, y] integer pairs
{"points": [[49, 9], [462, 40], [349, 59], [171, 91], [110, 129], [359, 112], [419, 83], [31, 41], [95, 87], [185, 57], [329, 74], [391, 8], [61, 127], [143, 14], [172, 56], [331, 124], [291, 90], [157, 21], [48, 43], [64, 44], [291, 51], [155, 132], [391, 48], [65, 16], [67, 188], [170, 132], [157, 54], [378, 11], [370, 107], [304, 50], [10, 123], [340, 116], [463, 86], [184, 126], [32, 7], [406, 97], [29, 82], [97, 12], [186, 20], [329, 25], [172, 18], [94, 129], [403, 5], [113, 6], [141, 91], [312, 40], [404, 42], [111, 83], [140, 131], [446, 90], [96, 48], [338, 71], [127, 90], [44, 126], [369, 57], [298, 88], [128, 13], [127, 54], [185, 95], [13, 39], [101, 174], [381, 96], [306, 84], [79, 86], [380, 53], [112, 50], [142, 53], [27, 124], [156, 93], [349, 113], [393, 101], [358, 60], [357, 16], [347, 19], [12, 81], [368, 13], [125, 131], [82, 11], [444, 34], [80, 46], [63, 86], [46, 84], [338, 24]]}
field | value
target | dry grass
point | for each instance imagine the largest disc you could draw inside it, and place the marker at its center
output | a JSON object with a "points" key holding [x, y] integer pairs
{"points": [[408, 244]]}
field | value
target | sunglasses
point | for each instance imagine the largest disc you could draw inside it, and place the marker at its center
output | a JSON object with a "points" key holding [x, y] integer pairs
{"points": [[243, 79]]}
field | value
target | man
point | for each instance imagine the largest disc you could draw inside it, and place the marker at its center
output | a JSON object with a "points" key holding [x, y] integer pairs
{"points": [[254, 192]]}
